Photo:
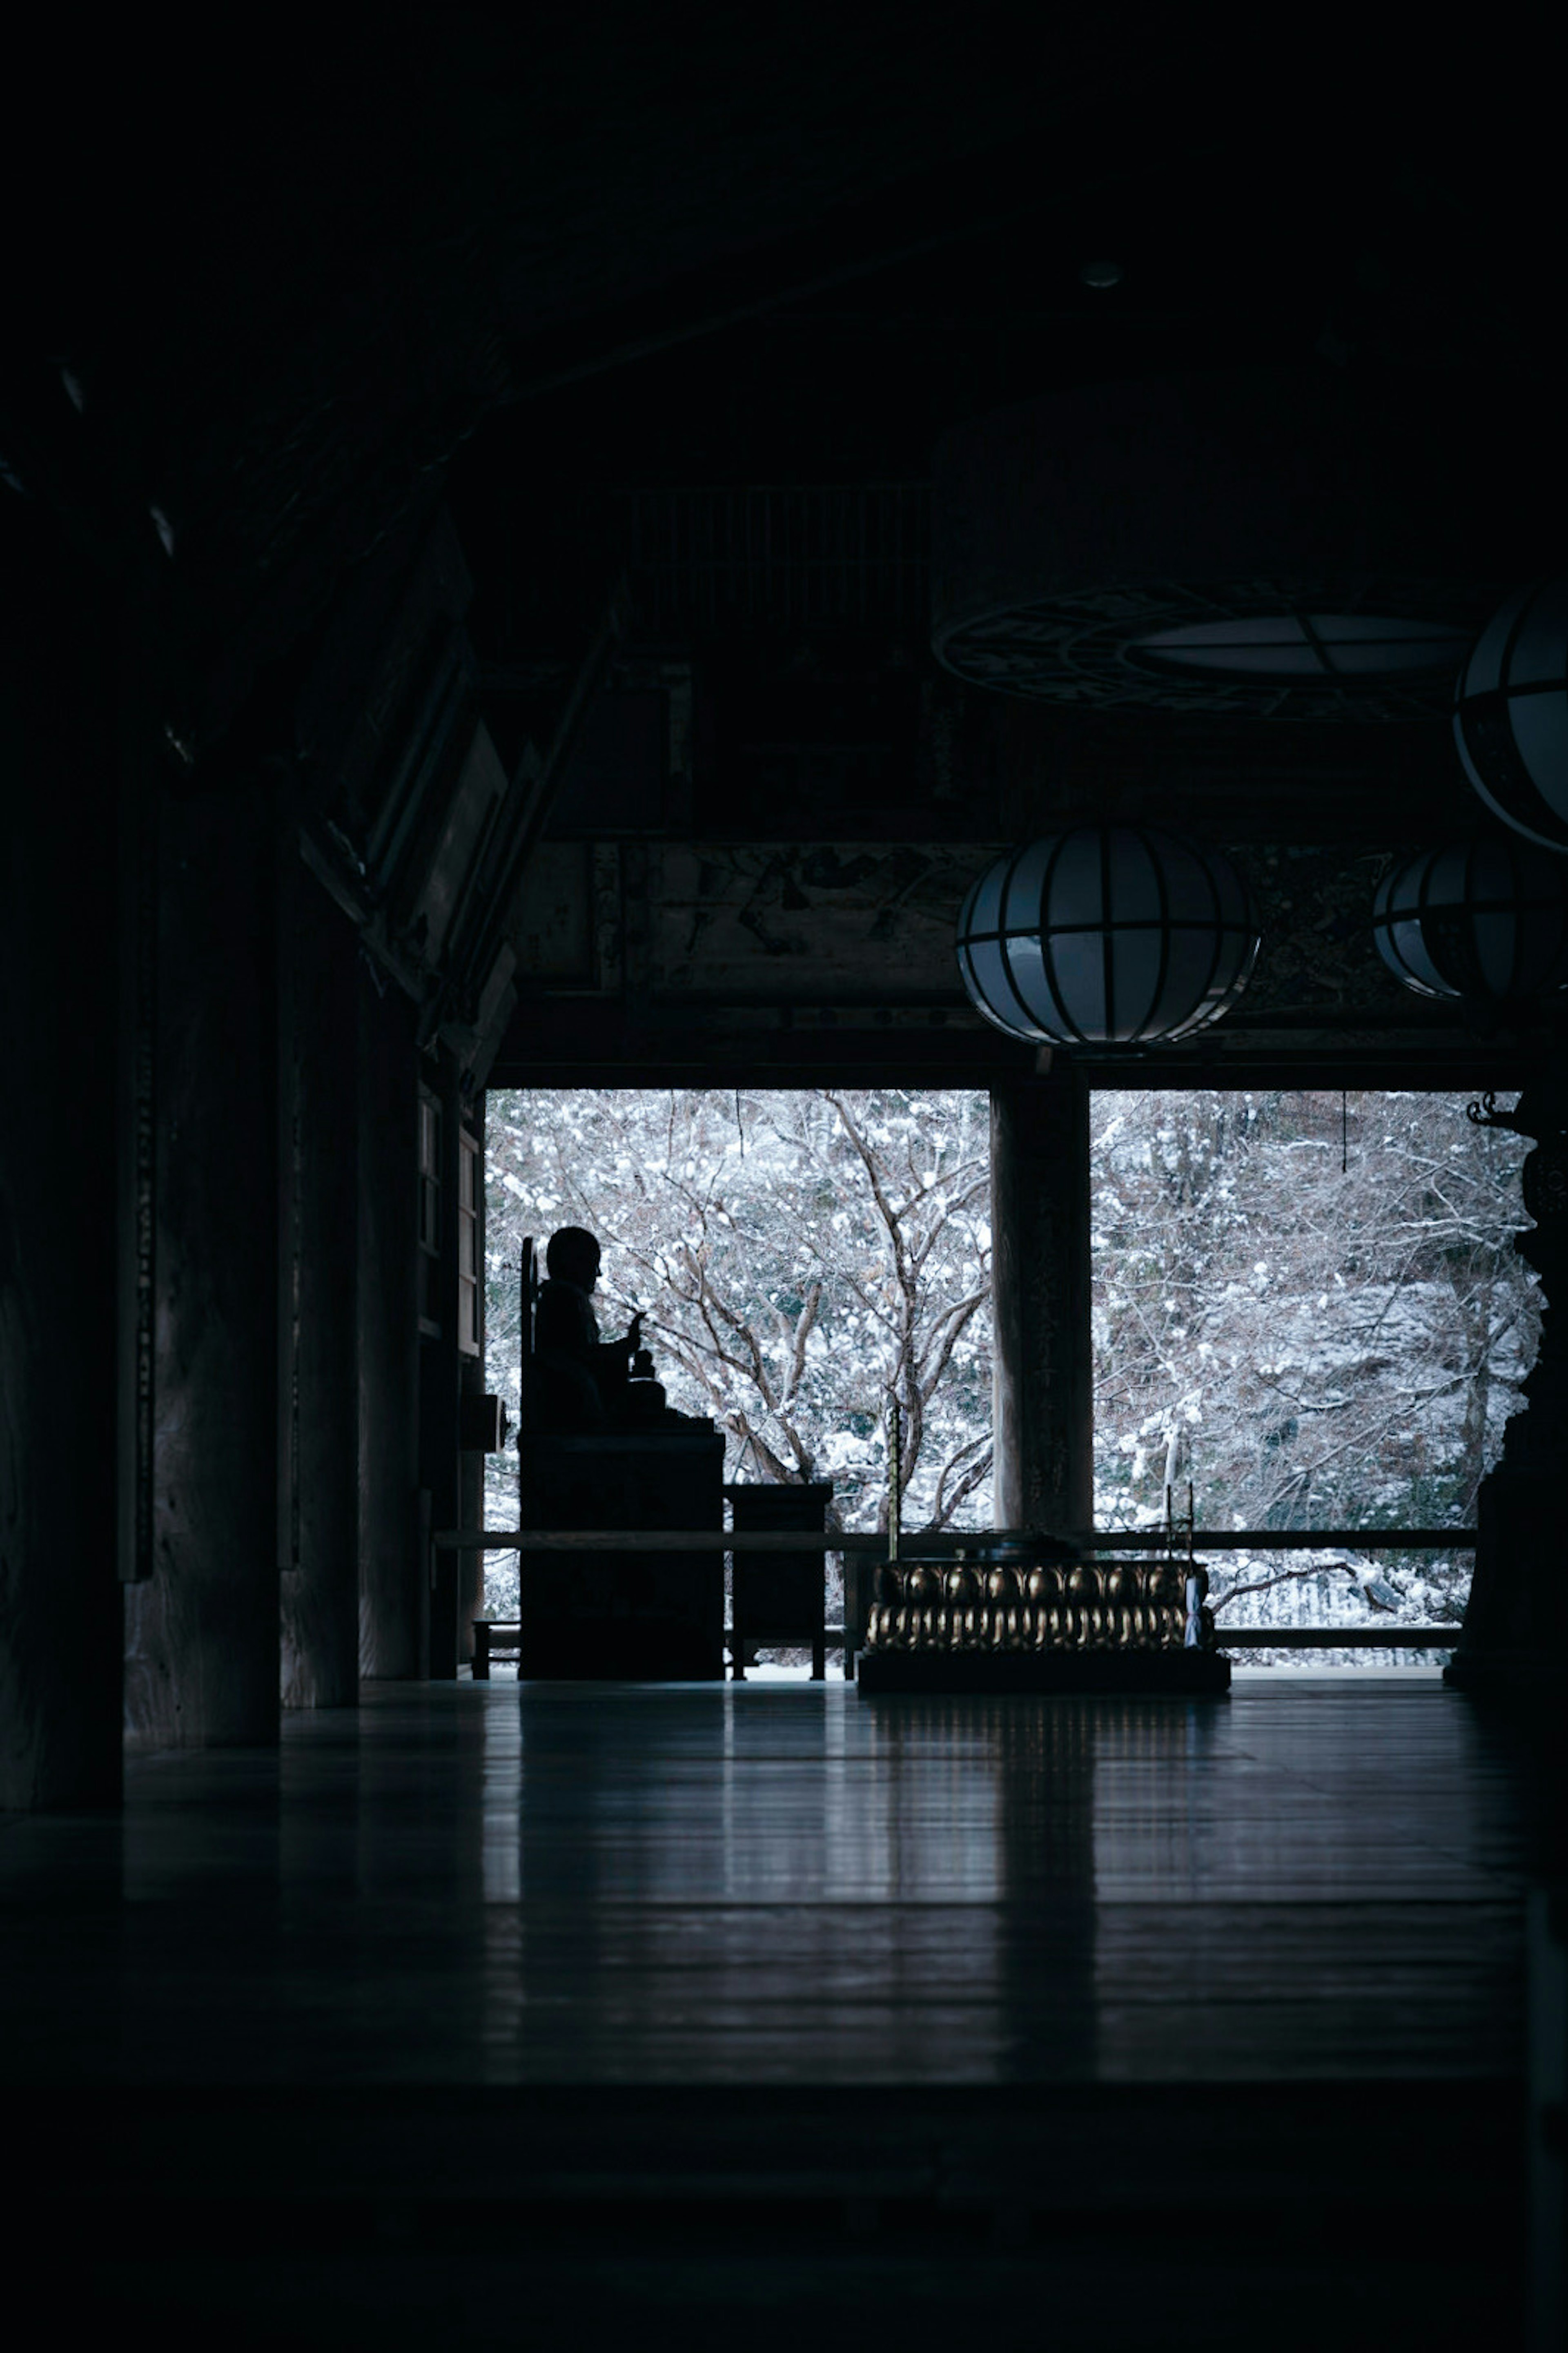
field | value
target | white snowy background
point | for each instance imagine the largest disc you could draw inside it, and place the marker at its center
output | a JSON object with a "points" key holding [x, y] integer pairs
{"points": [[1308, 1305]]}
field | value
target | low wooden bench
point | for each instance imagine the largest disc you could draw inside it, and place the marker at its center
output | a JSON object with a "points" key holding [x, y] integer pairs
{"points": [[492, 1635]]}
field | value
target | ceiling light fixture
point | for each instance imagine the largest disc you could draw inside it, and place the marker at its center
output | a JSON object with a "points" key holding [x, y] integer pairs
{"points": [[1303, 543], [1484, 923], [1295, 645], [1107, 935], [1510, 713]]}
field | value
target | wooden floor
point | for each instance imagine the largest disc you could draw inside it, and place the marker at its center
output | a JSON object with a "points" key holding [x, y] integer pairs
{"points": [[601, 1884], [481, 1955]]}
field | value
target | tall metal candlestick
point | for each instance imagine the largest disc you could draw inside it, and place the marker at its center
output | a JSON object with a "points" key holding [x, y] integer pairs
{"points": [[894, 1490]]}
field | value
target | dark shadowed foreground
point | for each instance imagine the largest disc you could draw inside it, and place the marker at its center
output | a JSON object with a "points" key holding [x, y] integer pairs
{"points": [[492, 2006]]}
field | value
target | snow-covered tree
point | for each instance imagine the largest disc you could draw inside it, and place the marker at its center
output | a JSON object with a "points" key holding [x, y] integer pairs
{"points": [[1311, 1307], [801, 1255], [1310, 1343]]}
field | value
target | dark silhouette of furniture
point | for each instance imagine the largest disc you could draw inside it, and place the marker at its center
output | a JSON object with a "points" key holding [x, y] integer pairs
{"points": [[778, 1599], [638, 1613]]}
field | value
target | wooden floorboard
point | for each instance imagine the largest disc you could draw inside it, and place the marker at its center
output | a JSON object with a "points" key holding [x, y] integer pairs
{"points": [[613, 1885], [793, 2015]]}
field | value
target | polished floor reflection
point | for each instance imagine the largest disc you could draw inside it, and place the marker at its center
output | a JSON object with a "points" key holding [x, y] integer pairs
{"points": [[617, 1885]]}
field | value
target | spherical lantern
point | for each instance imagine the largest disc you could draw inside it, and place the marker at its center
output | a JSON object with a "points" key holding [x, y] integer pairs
{"points": [[1106, 936], [1486, 923], [1511, 715]]}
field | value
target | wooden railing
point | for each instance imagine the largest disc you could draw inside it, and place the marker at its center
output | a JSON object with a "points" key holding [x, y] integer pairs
{"points": [[948, 1543], [944, 1544]]}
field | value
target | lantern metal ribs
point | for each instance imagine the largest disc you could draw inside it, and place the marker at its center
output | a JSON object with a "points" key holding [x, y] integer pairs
{"points": [[1484, 923], [1107, 935]]}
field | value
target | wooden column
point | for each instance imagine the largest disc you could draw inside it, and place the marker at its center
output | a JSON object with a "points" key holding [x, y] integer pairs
{"points": [[440, 1382], [470, 1566], [1043, 1396], [1515, 1634], [61, 1118], [202, 1644], [319, 1599], [393, 1598]]}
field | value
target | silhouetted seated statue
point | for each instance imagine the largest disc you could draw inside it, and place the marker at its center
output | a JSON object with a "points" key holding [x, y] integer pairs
{"points": [[583, 1383], [599, 1449]]}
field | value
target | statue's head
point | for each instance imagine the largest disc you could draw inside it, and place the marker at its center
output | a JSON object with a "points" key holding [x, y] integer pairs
{"points": [[571, 1255]]}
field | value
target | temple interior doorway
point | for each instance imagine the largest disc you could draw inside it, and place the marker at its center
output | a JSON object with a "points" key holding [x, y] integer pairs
{"points": [[1304, 1307]]}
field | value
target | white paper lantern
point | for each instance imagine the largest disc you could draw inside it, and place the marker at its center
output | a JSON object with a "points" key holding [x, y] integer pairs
{"points": [[1510, 714], [1107, 935], [1484, 922]]}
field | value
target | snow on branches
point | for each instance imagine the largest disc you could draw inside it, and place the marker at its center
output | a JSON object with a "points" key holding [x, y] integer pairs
{"points": [[1311, 1343], [802, 1257], [1311, 1306]]}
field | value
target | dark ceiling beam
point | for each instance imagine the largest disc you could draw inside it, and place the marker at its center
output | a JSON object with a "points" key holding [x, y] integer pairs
{"points": [[558, 1041], [632, 349], [874, 1059]]}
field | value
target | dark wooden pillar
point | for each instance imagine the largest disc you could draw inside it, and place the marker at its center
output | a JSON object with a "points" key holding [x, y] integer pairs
{"points": [[319, 1052], [1515, 1634], [202, 1651], [59, 1121], [470, 1566], [440, 1374], [1043, 1371], [393, 1601]]}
